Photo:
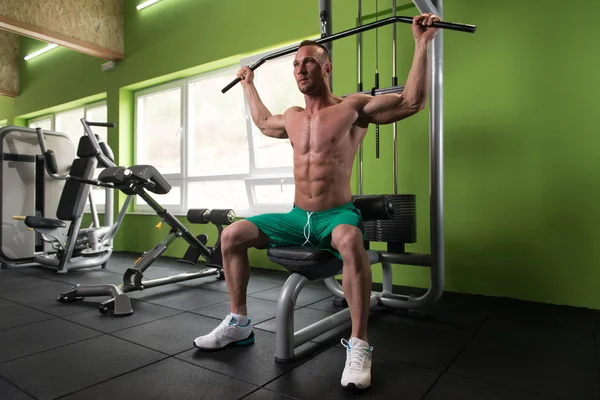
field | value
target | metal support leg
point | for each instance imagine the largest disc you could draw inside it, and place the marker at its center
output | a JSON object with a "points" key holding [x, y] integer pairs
{"points": [[388, 281], [334, 287], [120, 302], [284, 334], [70, 246]]}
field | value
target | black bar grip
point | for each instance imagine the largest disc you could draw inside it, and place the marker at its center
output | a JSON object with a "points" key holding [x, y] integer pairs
{"points": [[376, 80], [51, 162], [259, 63], [198, 215], [222, 217], [231, 84], [377, 141], [104, 124], [455, 27], [395, 81], [353, 31]]}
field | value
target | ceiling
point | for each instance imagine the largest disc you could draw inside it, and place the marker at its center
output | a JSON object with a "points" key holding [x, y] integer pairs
{"points": [[93, 27]]}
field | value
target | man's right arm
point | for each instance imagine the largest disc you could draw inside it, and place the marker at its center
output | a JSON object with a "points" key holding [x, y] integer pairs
{"points": [[269, 124]]}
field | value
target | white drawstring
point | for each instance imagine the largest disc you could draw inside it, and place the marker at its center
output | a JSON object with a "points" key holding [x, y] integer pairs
{"points": [[307, 237]]}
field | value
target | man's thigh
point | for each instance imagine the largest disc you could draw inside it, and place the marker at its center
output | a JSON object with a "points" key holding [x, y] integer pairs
{"points": [[282, 229]]}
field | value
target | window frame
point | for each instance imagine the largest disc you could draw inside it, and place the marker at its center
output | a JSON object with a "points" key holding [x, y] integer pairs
{"points": [[255, 177], [138, 204], [42, 118]]}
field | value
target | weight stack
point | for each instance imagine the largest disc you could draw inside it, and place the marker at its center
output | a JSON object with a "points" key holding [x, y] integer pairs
{"points": [[399, 230]]}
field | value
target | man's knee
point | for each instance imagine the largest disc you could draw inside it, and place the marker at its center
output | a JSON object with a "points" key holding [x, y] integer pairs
{"points": [[242, 235], [348, 240], [238, 236]]}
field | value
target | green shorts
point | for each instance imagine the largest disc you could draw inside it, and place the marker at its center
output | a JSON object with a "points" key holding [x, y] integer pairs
{"points": [[303, 228]]}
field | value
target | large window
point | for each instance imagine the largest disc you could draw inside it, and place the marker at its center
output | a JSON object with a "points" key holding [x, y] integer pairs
{"points": [[69, 123], [206, 144]]}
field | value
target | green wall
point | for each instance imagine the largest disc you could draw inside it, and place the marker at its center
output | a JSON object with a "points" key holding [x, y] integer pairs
{"points": [[7, 105], [520, 142]]}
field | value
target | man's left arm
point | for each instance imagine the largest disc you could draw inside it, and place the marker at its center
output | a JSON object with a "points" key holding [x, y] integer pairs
{"points": [[389, 108]]}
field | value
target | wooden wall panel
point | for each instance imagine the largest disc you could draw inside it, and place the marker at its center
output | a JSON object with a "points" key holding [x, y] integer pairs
{"points": [[9, 64], [99, 22]]}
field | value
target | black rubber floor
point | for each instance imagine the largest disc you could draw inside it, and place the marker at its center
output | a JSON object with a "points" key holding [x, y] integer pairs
{"points": [[469, 347]]}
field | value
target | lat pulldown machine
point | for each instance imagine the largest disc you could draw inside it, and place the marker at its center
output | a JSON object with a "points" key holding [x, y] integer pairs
{"points": [[388, 218]]}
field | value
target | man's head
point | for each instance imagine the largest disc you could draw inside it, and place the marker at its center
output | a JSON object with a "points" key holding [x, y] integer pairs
{"points": [[312, 67]]}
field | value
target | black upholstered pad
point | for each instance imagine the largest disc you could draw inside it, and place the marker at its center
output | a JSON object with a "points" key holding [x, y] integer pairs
{"points": [[115, 175], [374, 206], [75, 194], [44, 223], [308, 261], [301, 254], [161, 184]]}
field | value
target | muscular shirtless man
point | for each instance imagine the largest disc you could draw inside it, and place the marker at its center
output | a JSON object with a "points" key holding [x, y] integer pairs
{"points": [[325, 136]]}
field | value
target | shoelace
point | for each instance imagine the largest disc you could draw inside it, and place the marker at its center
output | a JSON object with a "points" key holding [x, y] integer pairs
{"points": [[358, 356], [307, 236], [222, 326]]}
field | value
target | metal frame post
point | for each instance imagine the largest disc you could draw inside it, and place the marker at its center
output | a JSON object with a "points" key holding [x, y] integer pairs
{"points": [[436, 155]]}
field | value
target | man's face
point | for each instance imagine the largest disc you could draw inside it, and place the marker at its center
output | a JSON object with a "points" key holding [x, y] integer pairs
{"points": [[309, 71]]}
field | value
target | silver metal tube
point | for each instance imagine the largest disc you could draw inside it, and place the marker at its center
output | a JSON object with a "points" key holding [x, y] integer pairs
{"points": [[325, 14], [88, 262], [379, 92], [115, 227], [418, 259], [186, 276], [93, 211], [334, 287], [94, 291], [327, 324], [437, 161], [374, 256], [284, 334], [109, 209], [359, 89], [394, 83], [70, 245], [388, 281], [43, 149], [426, 6]]}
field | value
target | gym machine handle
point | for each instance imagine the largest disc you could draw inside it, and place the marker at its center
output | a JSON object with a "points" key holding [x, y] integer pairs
{"points": [[104, 124], [408, 20], [49, 158], [106, 161]]}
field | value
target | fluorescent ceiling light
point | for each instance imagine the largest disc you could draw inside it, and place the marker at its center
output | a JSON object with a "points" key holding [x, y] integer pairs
{"points": [[146, 4], [41, 51]]}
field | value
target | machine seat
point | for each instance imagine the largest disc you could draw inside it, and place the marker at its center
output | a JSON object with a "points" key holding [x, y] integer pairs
{"points": [[315, 263], [309, 261], [44, 223]]}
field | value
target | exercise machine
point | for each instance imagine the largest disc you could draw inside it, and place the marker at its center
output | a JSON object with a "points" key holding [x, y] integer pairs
{"points": [[74, 247], [138, 180], [388, 218], [27, 189]]}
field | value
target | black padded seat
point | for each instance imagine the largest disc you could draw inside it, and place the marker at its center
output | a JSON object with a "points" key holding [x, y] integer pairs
{"points": [[44, 223], [309, 261], [315, 263]]}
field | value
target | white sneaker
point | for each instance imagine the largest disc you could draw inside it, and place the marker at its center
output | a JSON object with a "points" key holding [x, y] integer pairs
{"points": [[228, 333], [357, 372]]}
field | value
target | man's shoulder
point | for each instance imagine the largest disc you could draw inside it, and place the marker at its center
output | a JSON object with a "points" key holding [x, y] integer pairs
{"points": [[294, 109]]}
